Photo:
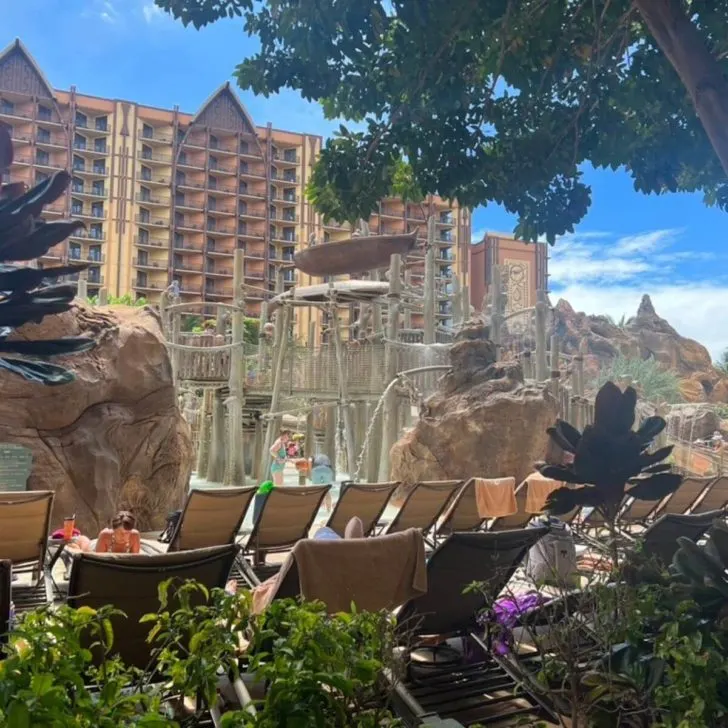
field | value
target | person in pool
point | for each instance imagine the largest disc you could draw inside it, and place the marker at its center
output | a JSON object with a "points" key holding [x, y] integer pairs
{"points": [[121, 538], [279, 453]]}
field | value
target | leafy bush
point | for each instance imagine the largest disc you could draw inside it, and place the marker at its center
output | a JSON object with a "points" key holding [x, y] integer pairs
{"points": [[653, 382], [321, 670], [126, 300]]}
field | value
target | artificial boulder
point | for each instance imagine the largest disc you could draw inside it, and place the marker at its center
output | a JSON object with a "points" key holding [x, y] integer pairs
{"points": [[483, 421], [114, 438]]}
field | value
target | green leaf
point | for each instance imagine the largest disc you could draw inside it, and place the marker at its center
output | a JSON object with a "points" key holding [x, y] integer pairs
{"points": [[18, 716]]}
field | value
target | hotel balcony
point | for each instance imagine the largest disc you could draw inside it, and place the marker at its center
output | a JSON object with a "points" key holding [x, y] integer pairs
{"points": [[218, 231], [286, 158], [94, 280], [149, 222], [152, 158], [88, 214], [255, 253], [141, 285], [252, 214], [254, 275], [195, 162], [53, 163], [219, 252], [153, 201], [155, 137], [85, 257], [53, 210], [224, 148], [219, 189], [446, 219], [196, 205], [221, 211], [278, 238], [214, 270], [88, 191], [153, 243], [285, 197], [284, 216], [219, 292], [154, 180], [12, 112], [47, 120], [88, 235], [48, 141], [186, 265], [90, 150], [92, 128], [90, 170], [225, 170], [252, 194], [53, 254], [188, 248], [251, 234], [145, 263], [286, 179], [189, 225]]}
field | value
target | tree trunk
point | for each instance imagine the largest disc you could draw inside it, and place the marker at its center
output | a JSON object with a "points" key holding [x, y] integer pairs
{"points": [[685, 48]]}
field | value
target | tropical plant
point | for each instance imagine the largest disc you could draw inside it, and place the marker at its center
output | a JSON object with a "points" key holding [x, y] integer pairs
{"points": [[655, 383], [496, 100], [125, 300], [610, 459], [722, 363], [26, 294]]}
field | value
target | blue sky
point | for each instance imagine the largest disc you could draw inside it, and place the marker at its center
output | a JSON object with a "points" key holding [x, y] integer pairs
{"points": [[671, 247]]}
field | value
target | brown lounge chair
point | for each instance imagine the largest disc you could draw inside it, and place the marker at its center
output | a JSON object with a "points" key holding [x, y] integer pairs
{"points": [[660, 539], [423, 505], [685, 496], [24, 525], [462, 514], [6, 577], [286, 517], [211, 518], [130, 583], [376, 573], [440, 681], [715, 498], [364, 501]]}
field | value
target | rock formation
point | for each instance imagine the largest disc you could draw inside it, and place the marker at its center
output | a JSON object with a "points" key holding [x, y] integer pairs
{"points": [[114, 437], [483, 420], [643, 336]]}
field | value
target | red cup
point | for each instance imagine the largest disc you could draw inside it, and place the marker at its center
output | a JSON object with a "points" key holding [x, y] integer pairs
{"points": [[68, 525]]}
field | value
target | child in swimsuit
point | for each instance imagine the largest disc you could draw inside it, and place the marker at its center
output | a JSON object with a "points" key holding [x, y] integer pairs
{"points": [[121, 538], [279, 454]]}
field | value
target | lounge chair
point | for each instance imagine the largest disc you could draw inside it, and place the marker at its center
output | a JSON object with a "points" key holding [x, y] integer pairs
{"points": [[423, 505], [462, 514], [375, 573], [6, 577], [439, 683], [211, 518], [365, 501], [285, 517], [715, 498], [130, 583], [24, 525], [660, 539], [520, 519], [685, 496]]}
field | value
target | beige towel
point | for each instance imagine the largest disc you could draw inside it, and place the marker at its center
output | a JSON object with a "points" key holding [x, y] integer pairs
{"points": [[495, 497], [376, 573], [538, 489]]}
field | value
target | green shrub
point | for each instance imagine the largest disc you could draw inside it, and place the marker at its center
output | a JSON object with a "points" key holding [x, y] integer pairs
{"points": [[654, 383]]}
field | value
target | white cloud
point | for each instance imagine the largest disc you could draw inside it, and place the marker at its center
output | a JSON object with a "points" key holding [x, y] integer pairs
{"points": [[152, 12], [108, 13], [599, 274]]}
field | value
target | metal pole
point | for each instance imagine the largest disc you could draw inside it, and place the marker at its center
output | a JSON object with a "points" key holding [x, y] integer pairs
{"points": [[429, 313], [541, 314]]}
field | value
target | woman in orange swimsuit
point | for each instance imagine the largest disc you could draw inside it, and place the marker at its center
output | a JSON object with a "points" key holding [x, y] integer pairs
{"points": [[121, 538]]}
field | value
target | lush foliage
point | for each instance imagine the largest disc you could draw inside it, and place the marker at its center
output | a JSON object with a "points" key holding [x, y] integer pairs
{"points": [[722, 362], [27, 295], [653, 382], [320, 670], [126, 300], [609, 456], [489, 101]]}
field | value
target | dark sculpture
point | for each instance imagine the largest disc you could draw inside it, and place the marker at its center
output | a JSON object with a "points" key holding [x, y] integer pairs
{"points": [[26, 294]]}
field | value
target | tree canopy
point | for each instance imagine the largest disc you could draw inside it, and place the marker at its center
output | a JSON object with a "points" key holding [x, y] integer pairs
{"points": [[498, 101]]}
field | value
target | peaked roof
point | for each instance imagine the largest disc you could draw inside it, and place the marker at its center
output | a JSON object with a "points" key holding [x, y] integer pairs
{"points": [[19, 73], [224, 110]]}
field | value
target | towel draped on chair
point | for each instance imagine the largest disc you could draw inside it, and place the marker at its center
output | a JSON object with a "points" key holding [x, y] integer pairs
{"points": [[495, 497]]}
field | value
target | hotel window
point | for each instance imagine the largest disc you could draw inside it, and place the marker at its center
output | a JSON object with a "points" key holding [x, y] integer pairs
{"points": [[142, 257], [97, 209], [212, 182], [180, 135], [147, 131], [40, 177], [43, 136], [99, 167], [7, 107], [242, 207], [179, 219], [146, 152], [182, 159], [42, 157], [79, 142], [211, 203], [244, 147], [180, 178], [77, 185], [74, 251], [100, 145], [289, 234], [289, 195], [44, 113], [144, 236], [94, 275], [94, 253], [289, 155], [141, 279], [146, 173], [76, 207], [96, 231], [214, 142], [272, 212], [243, 168], [242, 227], [179, 240], [81, 120], [97, 188], [213, 162], [243, 188], [178, 261], [211, 244], [179, 198], [102, 123], [211, 224], [143, 215]]}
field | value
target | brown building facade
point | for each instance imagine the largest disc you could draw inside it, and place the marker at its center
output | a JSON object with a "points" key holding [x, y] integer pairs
{"points": [[524, 270], [168, 196]]}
